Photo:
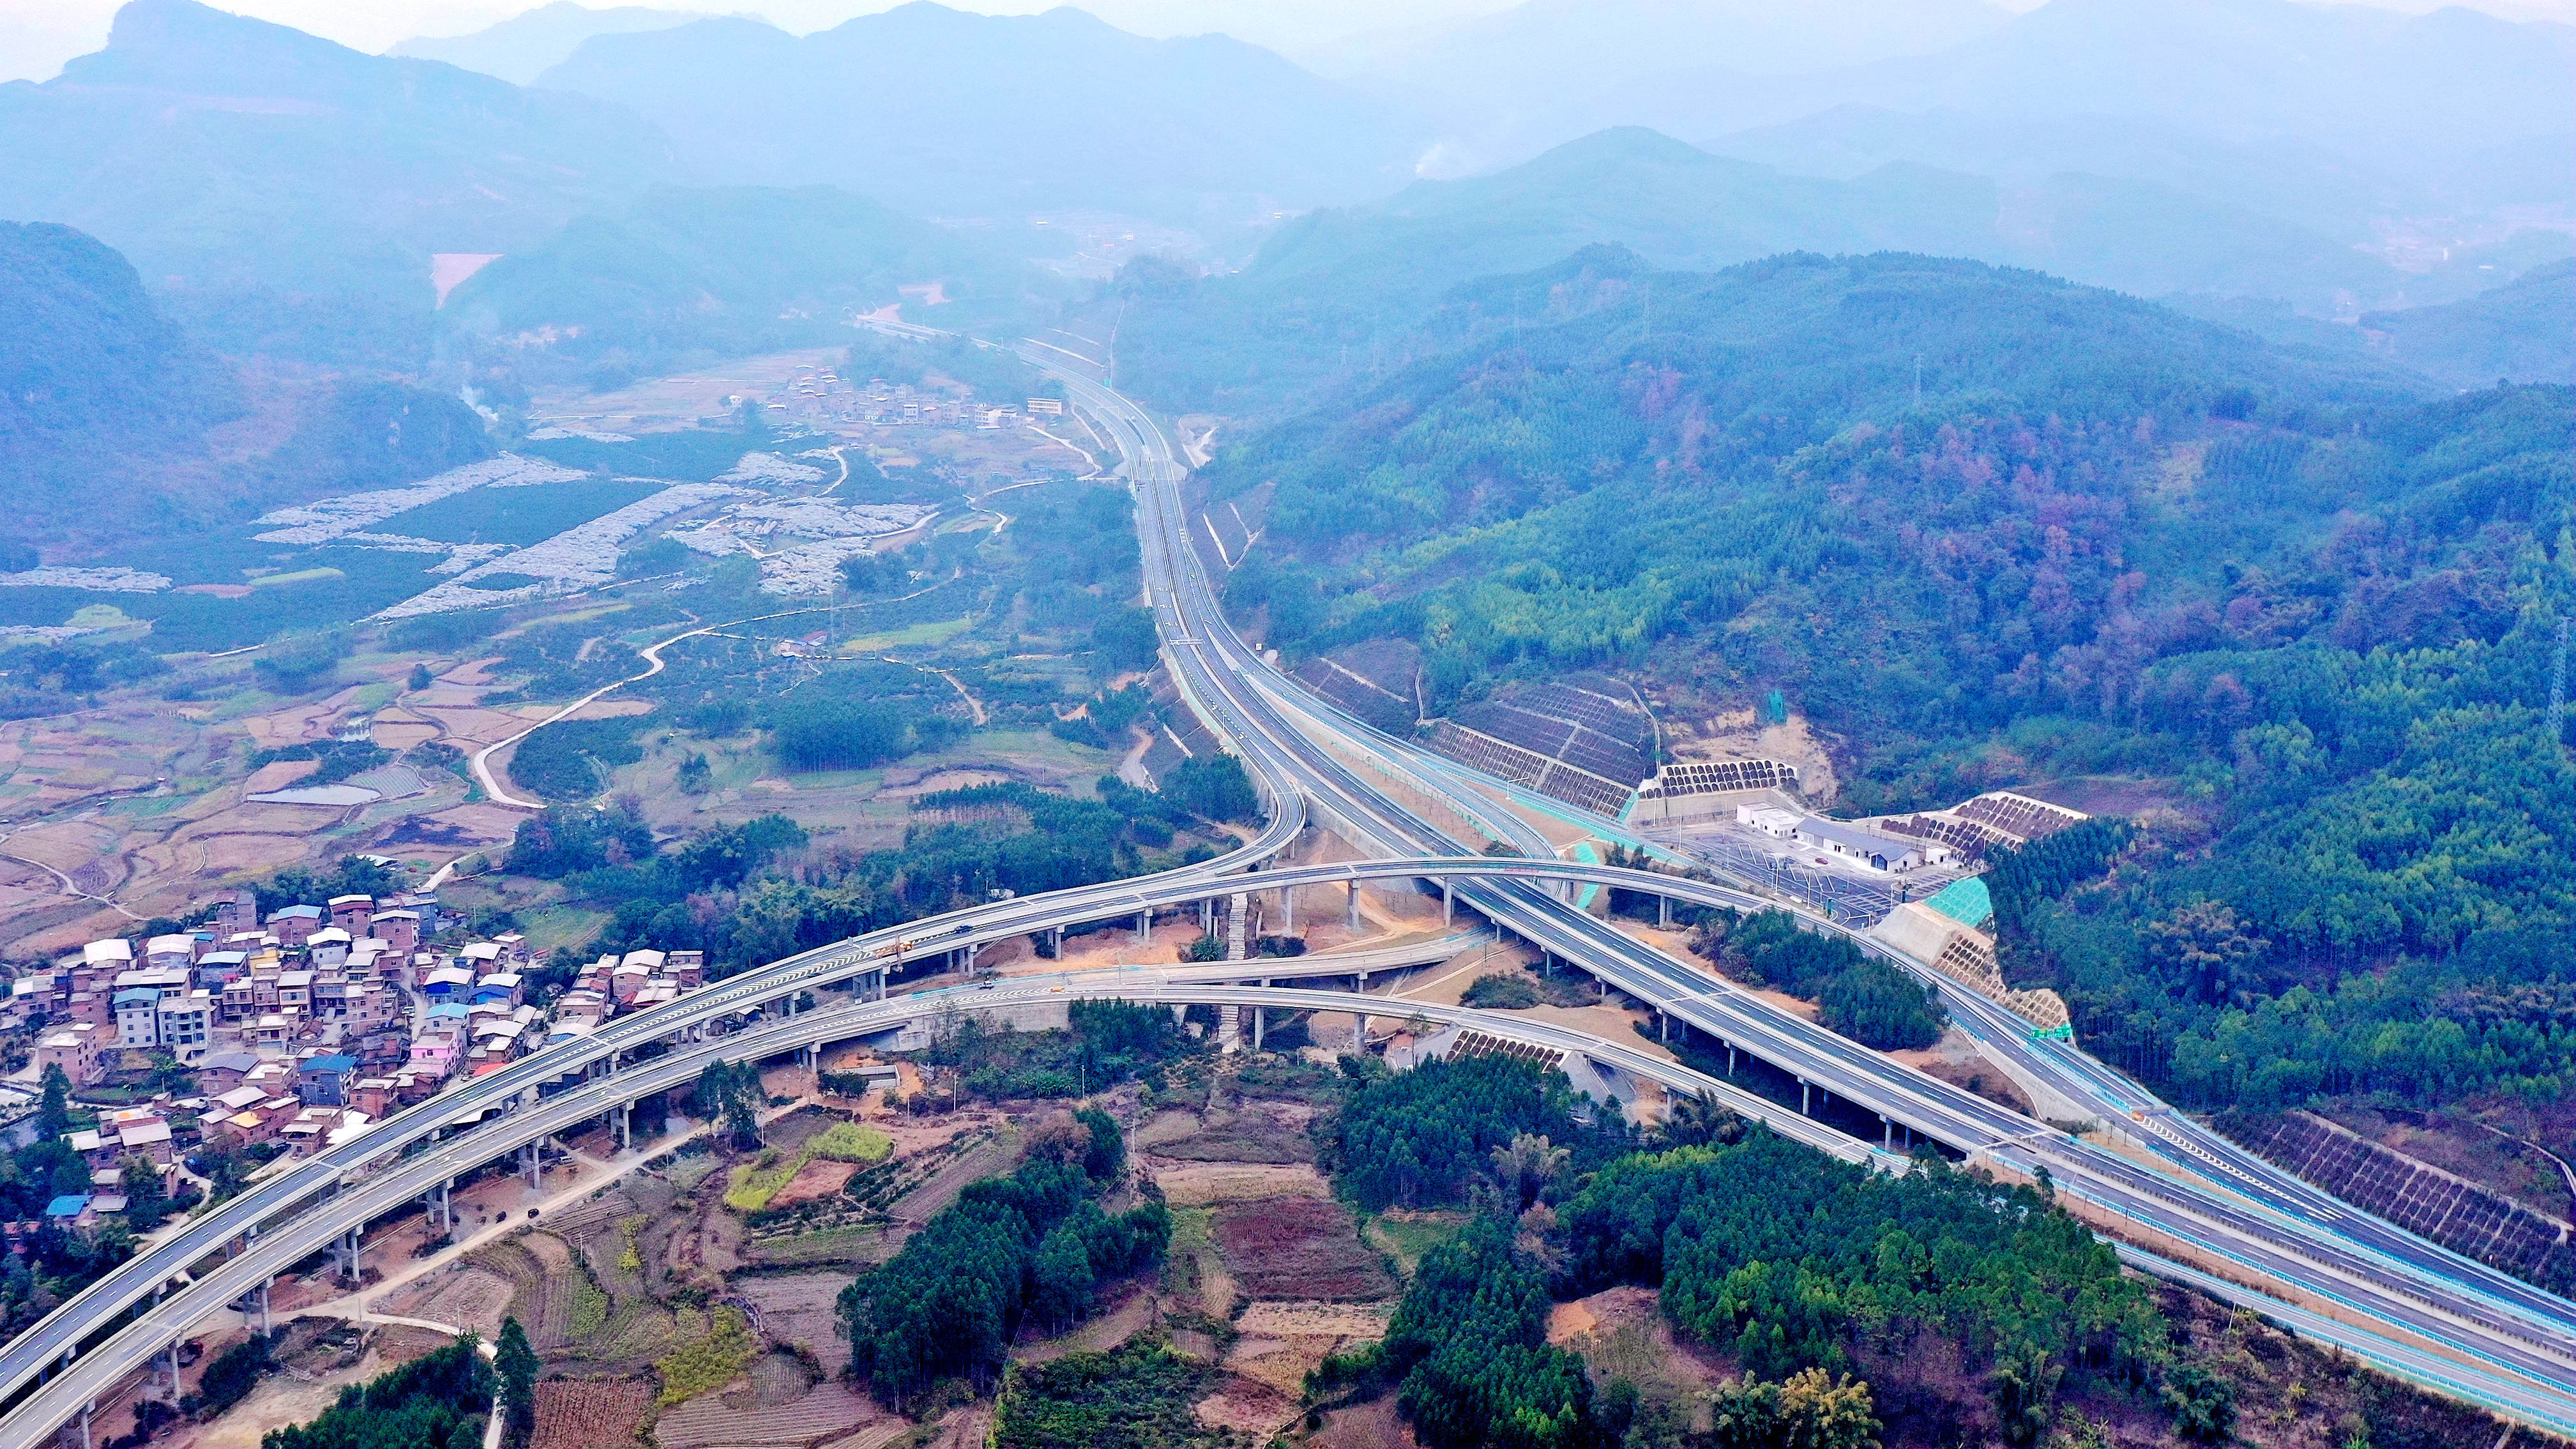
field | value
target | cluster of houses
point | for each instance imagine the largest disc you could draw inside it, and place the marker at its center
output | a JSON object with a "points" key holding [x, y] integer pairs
{"points": [[304, 1027]]}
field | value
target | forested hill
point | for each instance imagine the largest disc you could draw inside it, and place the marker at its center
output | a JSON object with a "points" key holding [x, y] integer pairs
{"points": [[288, 193], [1338, 291], [88, 371], [689, 275], [2310, 612], [110, 414]]}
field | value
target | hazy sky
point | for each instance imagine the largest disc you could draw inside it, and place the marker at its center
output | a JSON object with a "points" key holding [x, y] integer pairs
{"points": [[37, 36]]}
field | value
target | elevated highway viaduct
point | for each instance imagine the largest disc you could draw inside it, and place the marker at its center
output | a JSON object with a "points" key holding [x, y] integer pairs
{"points": [[2497, 1342]]}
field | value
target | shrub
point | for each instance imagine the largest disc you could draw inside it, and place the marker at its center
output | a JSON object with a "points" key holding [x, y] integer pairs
{"points": [[1501, 992]]}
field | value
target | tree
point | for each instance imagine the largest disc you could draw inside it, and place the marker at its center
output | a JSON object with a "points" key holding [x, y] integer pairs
{"points": [[420, 677], [1826, 1413], [146, 1202], [1108, 1150], [230, 1377], [1063, 1279], [2203, 1405], [1213, 787], [2022, 1386], [730, 1093], [517, 1365], [54, 1111], [1697, 1121], [2206, 951], [1125, 638], [1880, 1006], [1525, 1166]]}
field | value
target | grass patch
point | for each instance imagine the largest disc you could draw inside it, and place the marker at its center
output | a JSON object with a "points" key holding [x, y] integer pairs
{"points": [[703, 1365], [754, 1185], [589, 1303], [864, 1243], [688, 1172], [934, 631], [300, 576], [1407, 1238], [630, 1259], [560, 928]]}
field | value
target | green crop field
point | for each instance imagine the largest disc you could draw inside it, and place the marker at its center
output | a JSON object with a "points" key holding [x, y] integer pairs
{"points": [[519, 516]]}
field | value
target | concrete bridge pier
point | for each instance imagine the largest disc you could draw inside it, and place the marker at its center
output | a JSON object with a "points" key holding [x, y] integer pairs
{"points": [[532, 1162], [621, 1126], [1806, 1095], [1351, 909], [1664, 912], [344, 1252], [1055, 949], [1448, 904], [1886, 1133], [1288, 910], [1359, 1037], [1144, 927], [1260, 1016], [84, 1422]]}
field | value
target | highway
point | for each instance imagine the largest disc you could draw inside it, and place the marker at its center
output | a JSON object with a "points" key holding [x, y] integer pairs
{"points": [[2509, 1346], [286, 1243], [2476, 1311]]}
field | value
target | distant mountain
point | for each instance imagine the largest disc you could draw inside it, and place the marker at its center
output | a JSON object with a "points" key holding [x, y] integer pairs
{"points": [[113, 424], [943, 112], [91, 375], [2298, 181], [2456, 104], [2523, 331], [520, 48], [725, 272], [1546, 70], [1332, 290], [258, 174]]}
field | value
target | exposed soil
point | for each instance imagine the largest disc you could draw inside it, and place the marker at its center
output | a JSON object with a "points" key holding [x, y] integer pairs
{"points": [[1257, 1132], [1299, 1247], [590, 1413], [1247, 1406], [1196, 1185], [1372, 1425], [797, 1309]]}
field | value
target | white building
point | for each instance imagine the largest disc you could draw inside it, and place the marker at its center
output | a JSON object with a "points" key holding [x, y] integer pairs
{"points": [[1860, 847], [1771, 820], [185, 1025]]}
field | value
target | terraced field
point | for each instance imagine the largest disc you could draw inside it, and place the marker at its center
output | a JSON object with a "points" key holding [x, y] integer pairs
{"points": [[539, 1269], [590, 1413], [825, 1411]]}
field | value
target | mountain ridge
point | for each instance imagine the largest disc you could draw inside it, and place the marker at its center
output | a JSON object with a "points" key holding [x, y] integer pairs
{"points": [[280, 189], [970, 111]]}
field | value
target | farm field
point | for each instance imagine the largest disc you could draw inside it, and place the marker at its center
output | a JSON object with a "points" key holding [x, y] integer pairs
{"points": [[590, 1413], [517, 516]]}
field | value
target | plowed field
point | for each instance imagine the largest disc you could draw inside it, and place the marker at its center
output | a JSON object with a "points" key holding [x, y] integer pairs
{"points": [[590, 1414], [1299, 1247]]}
